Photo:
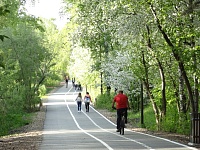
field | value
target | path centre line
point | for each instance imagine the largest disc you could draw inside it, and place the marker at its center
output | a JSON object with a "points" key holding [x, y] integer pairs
{"points": [[105, 144], [101, 128], [192, 148]]}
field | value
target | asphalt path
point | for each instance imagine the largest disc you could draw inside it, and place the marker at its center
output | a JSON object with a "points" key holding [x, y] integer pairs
{"points": [[67, 129]]}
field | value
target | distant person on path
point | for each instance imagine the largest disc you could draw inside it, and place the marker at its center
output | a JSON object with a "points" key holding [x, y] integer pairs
{"points": [[79, 86], [122, 104], [75, 86], [79, 101], [66, 81], [87, 100], [73, 81]]}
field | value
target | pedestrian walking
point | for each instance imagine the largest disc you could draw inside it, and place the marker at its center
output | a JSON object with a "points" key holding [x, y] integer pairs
{"points": [[79, 101], [87, 100], [75, 86], [66, 81], [73, 81], [79, 86]]}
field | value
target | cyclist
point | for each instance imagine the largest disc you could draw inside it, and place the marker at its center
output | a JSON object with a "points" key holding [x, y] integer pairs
{"points": [[122, 104]]}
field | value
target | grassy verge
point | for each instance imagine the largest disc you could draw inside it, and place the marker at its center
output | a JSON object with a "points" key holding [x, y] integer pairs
{"points": [[11, 121], [170, 123]]}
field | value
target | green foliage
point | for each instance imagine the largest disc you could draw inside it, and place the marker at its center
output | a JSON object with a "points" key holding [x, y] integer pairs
{"points": [[12, 121], [14, 116], [42, 90], [2, 64], [174, 122], [134, 103], [53, 79], [149, 118], [29, 53], [171, 123], [32, 59], [51, 82], [104, 101], [4, 10]]}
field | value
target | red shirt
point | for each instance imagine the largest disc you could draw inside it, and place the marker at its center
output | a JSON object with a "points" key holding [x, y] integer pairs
{"points": [[121, 101]]}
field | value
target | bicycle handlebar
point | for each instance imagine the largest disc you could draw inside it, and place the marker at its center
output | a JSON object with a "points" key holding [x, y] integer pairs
{"points": [[113, 107]]}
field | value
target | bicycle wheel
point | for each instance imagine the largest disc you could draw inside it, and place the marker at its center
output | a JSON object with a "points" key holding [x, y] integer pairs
{"points": [[122, 125]]}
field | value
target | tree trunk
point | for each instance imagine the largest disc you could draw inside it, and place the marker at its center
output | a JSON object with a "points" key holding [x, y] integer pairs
{"points": [[162, 76], [163, 90], [101, 74], [182, 96], [196, 83], [192, 5], [189, 88], [177, 57], [146, 84]]}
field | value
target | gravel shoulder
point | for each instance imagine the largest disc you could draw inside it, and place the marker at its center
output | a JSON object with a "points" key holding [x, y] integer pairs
{"points": [[29, 137]]}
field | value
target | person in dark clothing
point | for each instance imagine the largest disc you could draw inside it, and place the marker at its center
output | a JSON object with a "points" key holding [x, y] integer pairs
{"points": [[122, 104], [87, 100], [73, 81], [79, 86], [66, 81]]}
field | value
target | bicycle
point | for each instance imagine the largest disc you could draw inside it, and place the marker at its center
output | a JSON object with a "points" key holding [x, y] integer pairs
{"points": [[122, 122]]}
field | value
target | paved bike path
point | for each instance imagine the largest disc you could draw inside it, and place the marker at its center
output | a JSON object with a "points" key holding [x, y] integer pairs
{"points": [[67, 129]]}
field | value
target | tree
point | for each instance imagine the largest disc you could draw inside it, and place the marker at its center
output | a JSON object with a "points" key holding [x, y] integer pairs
{"points": [[161, 40]]}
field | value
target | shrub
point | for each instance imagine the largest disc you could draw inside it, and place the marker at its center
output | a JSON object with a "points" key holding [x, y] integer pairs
{"points": [[12, 122], [42, 90], [104, 101]]}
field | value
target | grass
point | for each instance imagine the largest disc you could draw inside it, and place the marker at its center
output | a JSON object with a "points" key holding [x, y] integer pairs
{"points": [[149, 118], [104, 101], [171, 123], [11, 121]]}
